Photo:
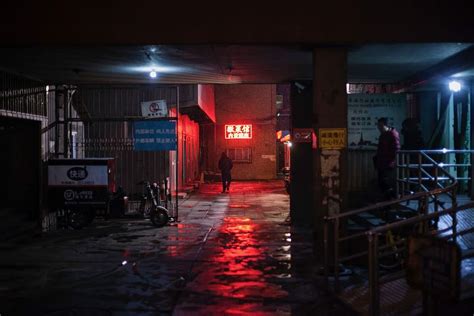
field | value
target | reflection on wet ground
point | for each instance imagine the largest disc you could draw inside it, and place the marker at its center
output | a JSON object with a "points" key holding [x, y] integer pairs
{"points": [[231, 254], [256, 263]]}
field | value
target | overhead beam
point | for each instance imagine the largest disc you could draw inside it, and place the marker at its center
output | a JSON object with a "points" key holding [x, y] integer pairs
{"points": [[457, 63]]}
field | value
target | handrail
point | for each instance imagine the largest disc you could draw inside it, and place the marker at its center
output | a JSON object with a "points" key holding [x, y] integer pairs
{"points": [[437, 151], [424, 200], [423, 153], [407, 198], [418, 219], [372, 236], [388, 203]]}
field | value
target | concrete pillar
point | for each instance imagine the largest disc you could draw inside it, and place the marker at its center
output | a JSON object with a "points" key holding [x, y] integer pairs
{"points": [[329, 114], [301, 195]]}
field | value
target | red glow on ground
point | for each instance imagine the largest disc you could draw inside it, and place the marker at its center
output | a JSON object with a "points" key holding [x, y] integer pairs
{"points": [[233, 272]]}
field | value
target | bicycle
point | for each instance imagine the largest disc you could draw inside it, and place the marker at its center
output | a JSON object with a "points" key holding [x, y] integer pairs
{"points": [[392, 254]]}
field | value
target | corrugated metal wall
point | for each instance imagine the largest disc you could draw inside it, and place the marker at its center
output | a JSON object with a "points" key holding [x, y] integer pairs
{"points": [[361, 170], [106, 112], [114, 138]]}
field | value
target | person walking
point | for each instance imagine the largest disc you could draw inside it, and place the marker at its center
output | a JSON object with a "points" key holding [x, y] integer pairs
{"points": [[385, 160], [225, 166]]}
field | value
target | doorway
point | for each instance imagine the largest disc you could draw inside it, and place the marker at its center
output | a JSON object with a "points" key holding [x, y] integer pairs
{"points": [[20, 168]]}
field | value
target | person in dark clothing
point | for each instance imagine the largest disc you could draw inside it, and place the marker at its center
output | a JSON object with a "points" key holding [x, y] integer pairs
{"points": [[225, 166], [412, 137], [385, 160]]}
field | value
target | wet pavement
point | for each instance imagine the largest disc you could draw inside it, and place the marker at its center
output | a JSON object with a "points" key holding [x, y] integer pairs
{"points": [[230, 254]]}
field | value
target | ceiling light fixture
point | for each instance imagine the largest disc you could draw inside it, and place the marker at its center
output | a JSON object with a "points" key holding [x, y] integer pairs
{"points": [[153, 74], [455, 86]]}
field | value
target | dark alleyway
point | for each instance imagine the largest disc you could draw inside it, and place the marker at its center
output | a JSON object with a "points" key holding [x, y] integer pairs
{"points": [[230, 254]]}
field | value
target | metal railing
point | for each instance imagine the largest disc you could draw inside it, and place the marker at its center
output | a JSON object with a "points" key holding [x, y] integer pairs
{"points": [[373, 251], [419, 169], [431, 180]]}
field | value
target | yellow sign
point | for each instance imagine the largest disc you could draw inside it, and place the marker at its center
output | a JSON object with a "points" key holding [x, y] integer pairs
{"points": [[332, 138]]}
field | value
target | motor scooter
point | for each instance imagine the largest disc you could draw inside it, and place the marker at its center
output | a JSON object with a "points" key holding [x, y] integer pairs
{"points": [[157, 213]]}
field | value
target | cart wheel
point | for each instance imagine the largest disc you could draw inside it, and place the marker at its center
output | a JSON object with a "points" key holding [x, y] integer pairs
{"points": [[77, 219], [159, 216], [90, 215]]}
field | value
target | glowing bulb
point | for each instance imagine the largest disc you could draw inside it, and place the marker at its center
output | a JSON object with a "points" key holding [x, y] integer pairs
{"points": [[441, 165], [290, 144], [455, 86], [124, 262], [153, 74], [444, 150]]}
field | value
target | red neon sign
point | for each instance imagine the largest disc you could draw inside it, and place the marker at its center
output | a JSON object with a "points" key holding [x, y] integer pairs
{"points": [[238, 131]]}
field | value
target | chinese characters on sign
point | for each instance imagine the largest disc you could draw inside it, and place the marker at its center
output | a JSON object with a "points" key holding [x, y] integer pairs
{"points": [[243, 131], [154, 135], [332, 138], [363, 112], [77, 175]]}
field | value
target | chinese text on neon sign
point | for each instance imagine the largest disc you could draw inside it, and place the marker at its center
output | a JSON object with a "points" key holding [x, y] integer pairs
{"points": [[238, 131]]}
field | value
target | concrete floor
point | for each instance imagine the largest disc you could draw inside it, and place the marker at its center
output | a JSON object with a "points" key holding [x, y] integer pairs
{"points": [[229, 254]]}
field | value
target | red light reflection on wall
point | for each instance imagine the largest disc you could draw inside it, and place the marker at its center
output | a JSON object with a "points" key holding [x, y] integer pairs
{"points": [[238, 131]]}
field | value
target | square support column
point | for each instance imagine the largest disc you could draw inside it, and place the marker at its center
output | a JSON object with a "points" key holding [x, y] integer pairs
{"points": [[301, 194], [330, 114]]}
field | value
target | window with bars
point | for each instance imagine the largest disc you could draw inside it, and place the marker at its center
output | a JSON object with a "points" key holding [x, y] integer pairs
{"points": [[240, 154]]}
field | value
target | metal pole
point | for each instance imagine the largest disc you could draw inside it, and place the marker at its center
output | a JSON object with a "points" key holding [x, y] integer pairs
{"points": [[419, 171], [336, 255], [66, 123], [436, 201], [454, 213], [57, 121], [177, 150], [405, 174], [373, 276], [397, 183]]}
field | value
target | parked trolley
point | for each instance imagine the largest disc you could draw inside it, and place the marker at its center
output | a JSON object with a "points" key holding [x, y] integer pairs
{"points": [[80, 189]]}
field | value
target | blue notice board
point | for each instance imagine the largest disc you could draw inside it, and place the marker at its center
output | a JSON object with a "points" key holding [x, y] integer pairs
{"points": [[154, 135]]}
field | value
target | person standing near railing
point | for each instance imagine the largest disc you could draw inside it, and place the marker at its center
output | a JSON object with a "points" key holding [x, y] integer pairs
{"points": [[385, 160], [412, 136]]}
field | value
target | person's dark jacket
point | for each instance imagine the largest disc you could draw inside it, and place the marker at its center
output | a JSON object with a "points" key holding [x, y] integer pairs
{"points": [[413, 140], [225, 165], [389, 144]]}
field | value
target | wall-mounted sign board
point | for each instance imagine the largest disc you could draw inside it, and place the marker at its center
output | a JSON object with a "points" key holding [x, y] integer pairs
{"points": [[154, 135], [238, 131], [332, 138]]}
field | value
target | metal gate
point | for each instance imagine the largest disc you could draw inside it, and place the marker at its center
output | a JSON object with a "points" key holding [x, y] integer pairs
{"points": [[101, 125]]}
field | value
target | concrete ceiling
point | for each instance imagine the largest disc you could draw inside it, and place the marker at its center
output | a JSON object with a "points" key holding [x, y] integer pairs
{"points": [[224, 64]]}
